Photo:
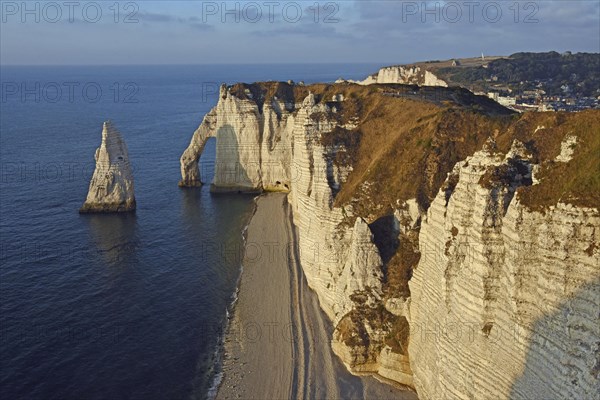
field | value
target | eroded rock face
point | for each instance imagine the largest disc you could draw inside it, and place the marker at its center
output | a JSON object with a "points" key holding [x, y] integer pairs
{"points": [[505, 301], [489, 267], [111, 188], [253, 145]]}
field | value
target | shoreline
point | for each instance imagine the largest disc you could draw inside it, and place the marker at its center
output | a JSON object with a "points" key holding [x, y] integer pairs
{"points": [[255, 351], [277, 340], [218, 372]]}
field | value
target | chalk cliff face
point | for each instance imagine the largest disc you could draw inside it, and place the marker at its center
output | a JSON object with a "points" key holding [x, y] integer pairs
{"points": [[408, 75], [253, 145], [504, 300], [501, 301], [111, 188]]}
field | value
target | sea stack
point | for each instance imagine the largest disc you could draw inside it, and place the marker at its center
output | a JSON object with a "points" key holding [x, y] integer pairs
{"points": [[111, 187]]}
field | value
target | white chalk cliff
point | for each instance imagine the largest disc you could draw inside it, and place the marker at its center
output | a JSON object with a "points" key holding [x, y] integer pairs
{"points": [[111, 187], [404, 74], [504, 302], [253, 145]]}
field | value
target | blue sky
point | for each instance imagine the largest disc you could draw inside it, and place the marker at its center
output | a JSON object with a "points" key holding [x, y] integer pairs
{"points": [[206, 32]]}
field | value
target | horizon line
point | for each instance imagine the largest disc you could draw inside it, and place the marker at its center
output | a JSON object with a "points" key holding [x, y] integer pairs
{"points": [[200, 64], [382, 63]]}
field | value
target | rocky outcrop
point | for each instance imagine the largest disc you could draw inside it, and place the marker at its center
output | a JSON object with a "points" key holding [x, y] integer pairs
{"points": [[111, 188], [479, 263]]}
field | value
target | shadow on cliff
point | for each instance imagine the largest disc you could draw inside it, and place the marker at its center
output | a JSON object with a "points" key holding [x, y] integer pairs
{"points": [[229, 173], [562, 380], [206, 160]]}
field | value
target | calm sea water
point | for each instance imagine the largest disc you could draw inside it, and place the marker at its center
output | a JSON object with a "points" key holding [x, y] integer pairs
{"points": [[116, 306]]}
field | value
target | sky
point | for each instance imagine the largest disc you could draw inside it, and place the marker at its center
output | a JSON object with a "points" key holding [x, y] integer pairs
{"points": [[247, 32]]}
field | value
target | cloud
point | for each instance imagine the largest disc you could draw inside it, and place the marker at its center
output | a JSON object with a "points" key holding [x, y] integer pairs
{"points": [[379, 31], [163, 18], [532, 25], [312, 31], [155, 17]]}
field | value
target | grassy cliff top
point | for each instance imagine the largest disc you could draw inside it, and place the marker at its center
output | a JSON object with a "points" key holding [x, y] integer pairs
{"points": [[261, 92], [409, 138], [575, 182]]}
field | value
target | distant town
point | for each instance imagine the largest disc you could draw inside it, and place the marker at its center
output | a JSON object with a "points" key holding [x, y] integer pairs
{"points": [[549, 81], [538, 100]]}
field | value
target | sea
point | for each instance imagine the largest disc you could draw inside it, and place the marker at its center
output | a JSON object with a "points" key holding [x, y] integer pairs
{"points": [[111, 306]]}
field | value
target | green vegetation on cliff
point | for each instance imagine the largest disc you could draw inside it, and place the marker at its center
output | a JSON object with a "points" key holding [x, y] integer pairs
{"points": [[575, 73]]}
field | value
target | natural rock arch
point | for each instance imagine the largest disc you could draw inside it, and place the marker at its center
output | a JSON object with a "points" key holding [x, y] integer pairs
{"points": [[253, 146], [190, 174]]}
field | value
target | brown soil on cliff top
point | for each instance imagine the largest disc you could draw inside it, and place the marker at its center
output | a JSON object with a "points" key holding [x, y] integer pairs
{"points": [[575, 182], [409, 138]]}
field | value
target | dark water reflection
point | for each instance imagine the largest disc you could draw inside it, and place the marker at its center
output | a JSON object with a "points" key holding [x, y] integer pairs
{"points": [[113, 237]]}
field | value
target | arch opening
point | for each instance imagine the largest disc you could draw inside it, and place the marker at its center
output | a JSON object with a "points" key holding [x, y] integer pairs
{"points": [[206, 163]]}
